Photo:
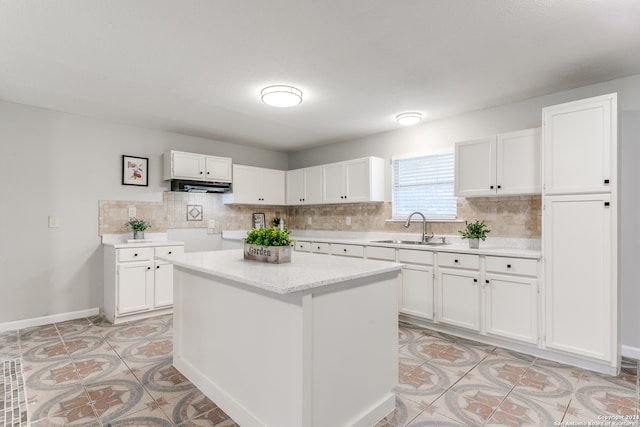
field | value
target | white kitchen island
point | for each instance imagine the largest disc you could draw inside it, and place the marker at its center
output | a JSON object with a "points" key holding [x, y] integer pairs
{"points": [[311, 343]]}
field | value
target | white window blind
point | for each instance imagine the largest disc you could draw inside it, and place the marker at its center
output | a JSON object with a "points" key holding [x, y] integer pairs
{"points": [[424, 183]]}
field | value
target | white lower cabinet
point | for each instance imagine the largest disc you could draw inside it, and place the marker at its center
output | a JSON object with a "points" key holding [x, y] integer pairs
{"points": [[416, 295], [163, 285], [511, 307], [135, 281], [458, 298], [135, 284]]}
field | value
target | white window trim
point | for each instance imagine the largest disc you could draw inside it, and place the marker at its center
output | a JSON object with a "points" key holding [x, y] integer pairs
{"points": [[435, 152]]}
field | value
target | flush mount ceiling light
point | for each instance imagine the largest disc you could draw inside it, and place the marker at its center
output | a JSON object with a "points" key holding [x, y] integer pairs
{"points": [[407, 119], [281, 96]]}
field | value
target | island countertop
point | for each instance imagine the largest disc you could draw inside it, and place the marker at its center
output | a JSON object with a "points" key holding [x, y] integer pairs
{"points": [[305, 271]]}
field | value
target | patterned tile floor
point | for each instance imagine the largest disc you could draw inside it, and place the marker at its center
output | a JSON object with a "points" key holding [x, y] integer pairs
{"points": [[90, 373]]}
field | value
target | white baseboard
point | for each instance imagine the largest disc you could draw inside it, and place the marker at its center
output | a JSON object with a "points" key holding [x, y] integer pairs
{"points": [[631, 352], [46, 320]]}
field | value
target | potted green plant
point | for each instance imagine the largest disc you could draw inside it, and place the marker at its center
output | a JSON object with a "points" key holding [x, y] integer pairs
{"points": [[474, 231], [268, 245], [138, 226]]}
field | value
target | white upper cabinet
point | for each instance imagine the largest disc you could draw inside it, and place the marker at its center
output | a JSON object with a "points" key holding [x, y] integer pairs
{"points": [[304, 186], [501, 165], [580, 141], [360, 180], [256, 186], [196, 167]]}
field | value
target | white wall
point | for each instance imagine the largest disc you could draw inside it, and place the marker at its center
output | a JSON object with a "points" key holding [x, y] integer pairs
{"points": [[522, 115], [53, 163]]}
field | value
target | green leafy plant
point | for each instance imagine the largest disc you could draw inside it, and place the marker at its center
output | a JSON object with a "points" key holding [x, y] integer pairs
{"points": [[276, 221], [474, 230], [137, 224], [268, 237]]}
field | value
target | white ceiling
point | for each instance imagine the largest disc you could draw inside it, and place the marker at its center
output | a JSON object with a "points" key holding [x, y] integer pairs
{"points": [[197, 66]]}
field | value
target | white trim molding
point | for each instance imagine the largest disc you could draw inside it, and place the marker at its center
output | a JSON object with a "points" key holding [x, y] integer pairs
{"points": [[630, 352], [46, 320]]}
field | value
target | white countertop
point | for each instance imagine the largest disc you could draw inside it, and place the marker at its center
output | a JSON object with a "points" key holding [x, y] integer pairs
{"points": [[496, 246], [121, 241], [305, 271]]}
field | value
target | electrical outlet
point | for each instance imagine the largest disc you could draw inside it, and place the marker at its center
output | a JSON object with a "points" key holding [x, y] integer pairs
{"points": [[211, 223], [348, 220], [53, 221], [132, 211], [309, 220]]}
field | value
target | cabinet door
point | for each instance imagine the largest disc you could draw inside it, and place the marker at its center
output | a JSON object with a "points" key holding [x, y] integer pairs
{"points": [[272, 187], [333, 183], [358, 180], [134, 287], [246, 184], [217, 169], [188, 166], [163, 285], [417, 291], [458, 298], [580, 145], [518, 167], [313, 185], [580, 290], [295, 187], [511, 307], [475, 168]]}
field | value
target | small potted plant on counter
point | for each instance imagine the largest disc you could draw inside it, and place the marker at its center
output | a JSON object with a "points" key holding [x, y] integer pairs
{"points": [[474, 231], [137, 225], [268, 245]]}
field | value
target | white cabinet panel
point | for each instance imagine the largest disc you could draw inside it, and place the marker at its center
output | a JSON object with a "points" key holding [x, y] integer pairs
{"points": [[511, 307], [347, 250], [302, 246], [304, 186], [256, 186], [518, 165], [134, 281], [196, 167], [163, 285], [360, 180], [417, 291], [501, 165], [580, 304], [507, 265], [378, 252], [458, 298], [475, 167], [580, 146]]}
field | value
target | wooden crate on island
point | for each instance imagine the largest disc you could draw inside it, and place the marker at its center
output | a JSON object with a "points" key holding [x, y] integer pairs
{"points": [[270, 254]]}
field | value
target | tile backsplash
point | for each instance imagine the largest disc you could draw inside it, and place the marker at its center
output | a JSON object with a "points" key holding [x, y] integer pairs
{"points": [[518, 216]]}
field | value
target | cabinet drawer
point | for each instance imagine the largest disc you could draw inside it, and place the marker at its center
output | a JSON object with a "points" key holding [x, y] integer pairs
{"points": [[347, 250], [377, 252], [169, 251], [303, 246], [458, 260], [525, 267], [415, 257], [320, 248], [135, 254]]}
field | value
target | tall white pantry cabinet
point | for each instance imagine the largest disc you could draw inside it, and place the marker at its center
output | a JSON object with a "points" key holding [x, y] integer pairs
{"points": [[580, 229]]}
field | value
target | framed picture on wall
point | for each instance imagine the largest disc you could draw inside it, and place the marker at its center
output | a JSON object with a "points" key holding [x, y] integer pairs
{"points": [[258, 220], [135, 170]]}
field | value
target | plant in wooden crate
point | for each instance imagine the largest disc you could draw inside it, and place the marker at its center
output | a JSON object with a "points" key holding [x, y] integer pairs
{"points": [[268, 245]]}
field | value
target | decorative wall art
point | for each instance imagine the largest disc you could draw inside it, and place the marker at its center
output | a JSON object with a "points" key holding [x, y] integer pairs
{"points": [[135, 170], [194, 213], [258, 220]]}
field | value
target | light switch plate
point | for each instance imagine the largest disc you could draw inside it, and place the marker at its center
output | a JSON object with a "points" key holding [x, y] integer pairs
{"points": [[309, 220], [211, 223], [132, 211], [53, 221], [348, 220]]}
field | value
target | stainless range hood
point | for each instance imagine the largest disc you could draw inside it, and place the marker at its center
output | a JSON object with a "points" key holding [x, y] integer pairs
{"points": [[200, 186]]}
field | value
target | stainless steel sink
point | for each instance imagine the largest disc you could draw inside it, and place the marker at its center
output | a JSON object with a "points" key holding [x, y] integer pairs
{"points": [[410, 242], [398, 242]]}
